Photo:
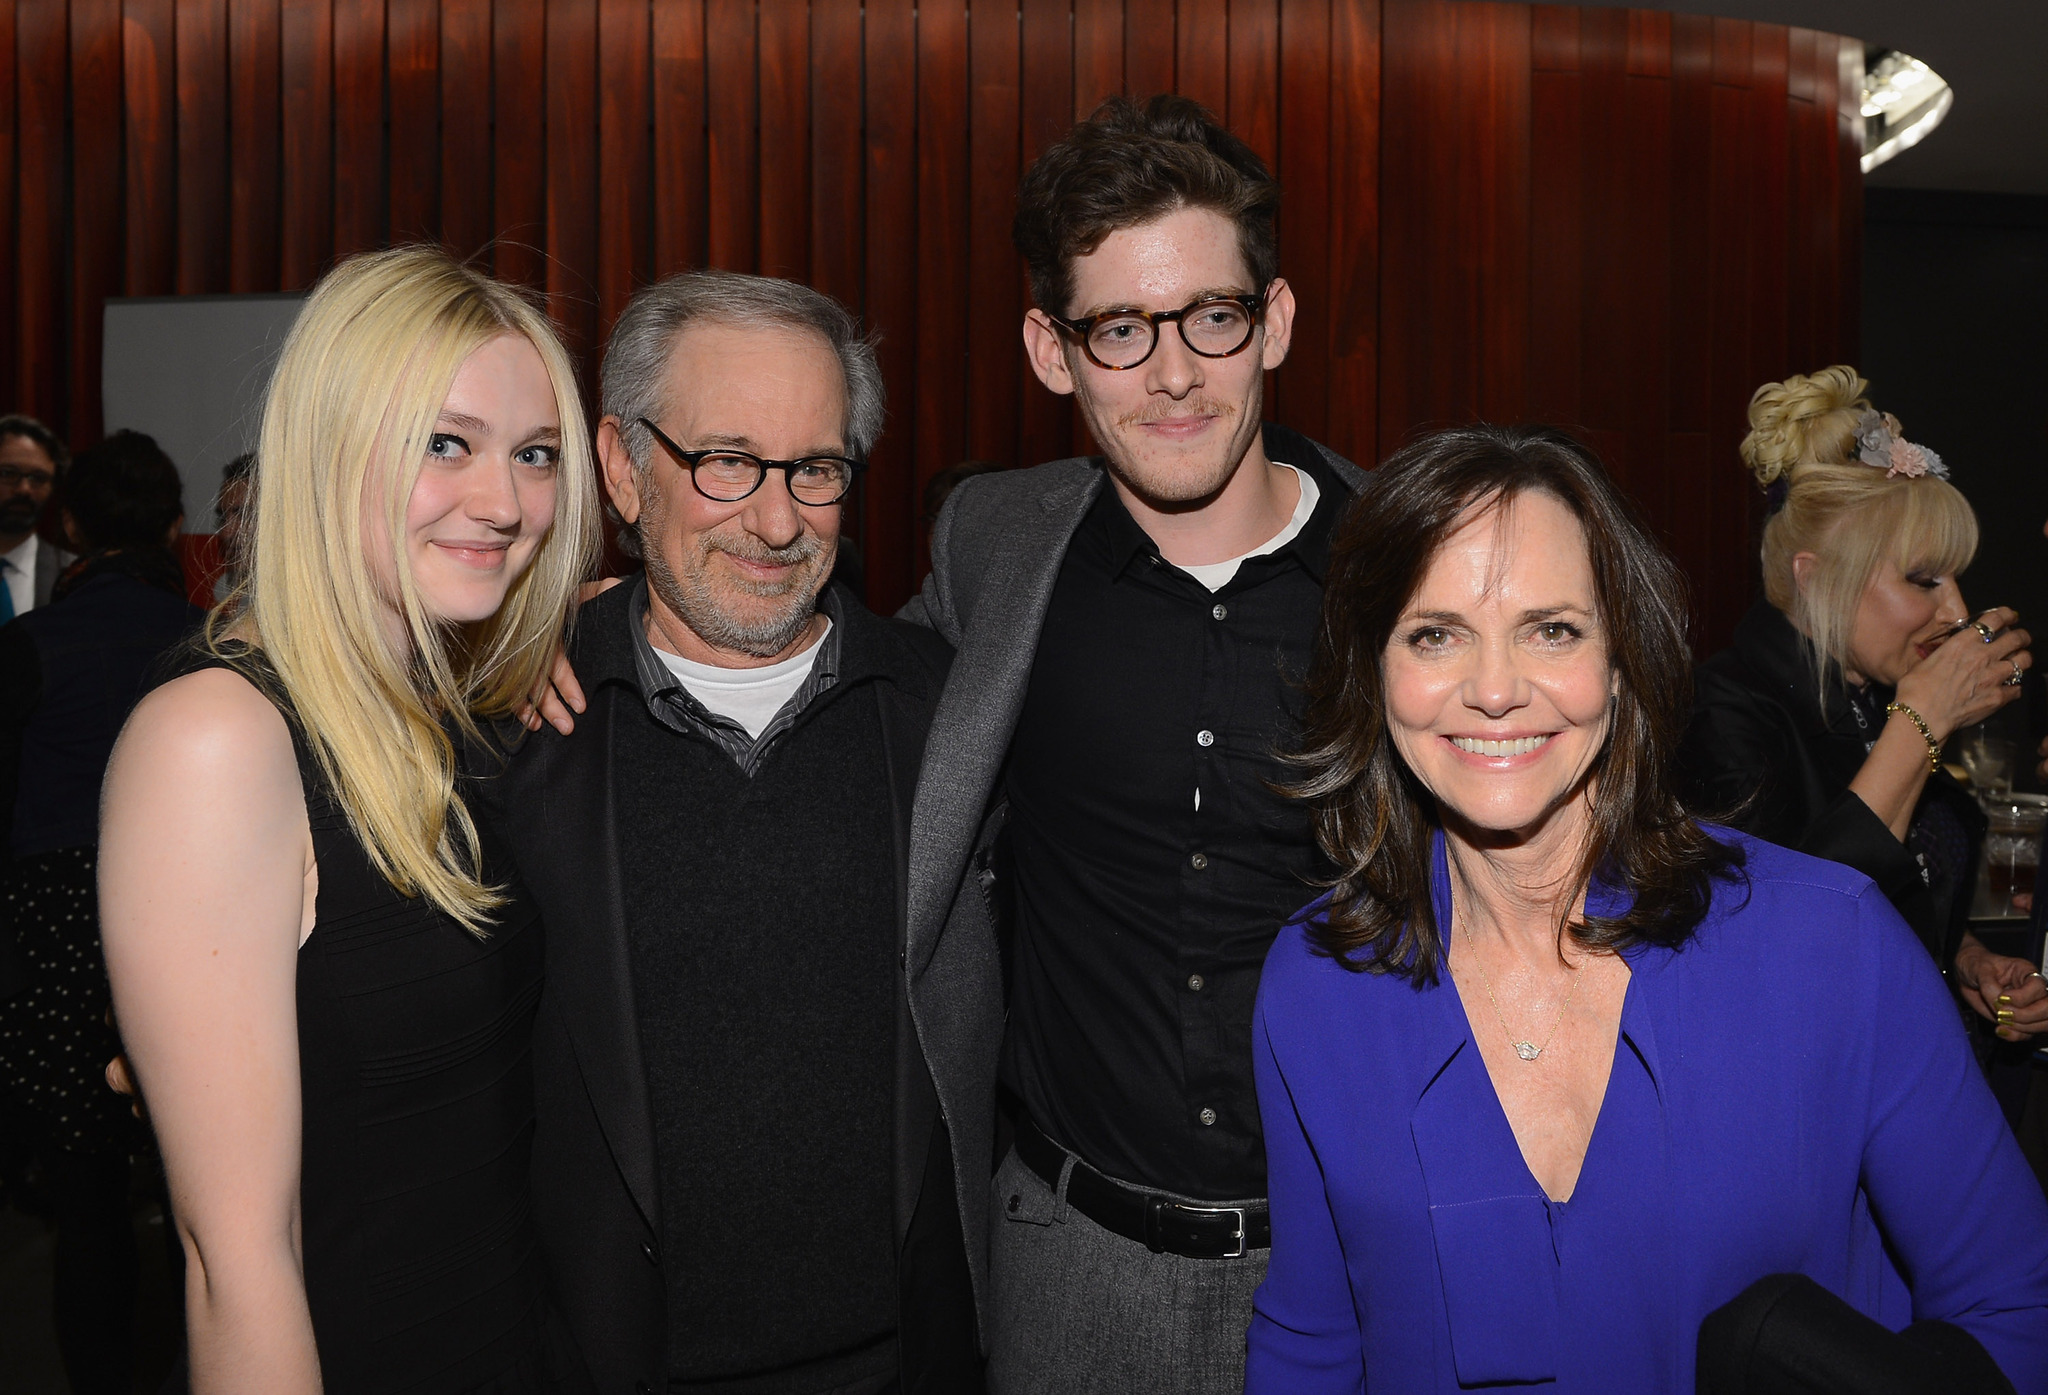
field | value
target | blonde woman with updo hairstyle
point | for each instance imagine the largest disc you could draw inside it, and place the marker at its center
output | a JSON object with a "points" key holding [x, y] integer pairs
{"points": [[324, 972], [1820, 727]]}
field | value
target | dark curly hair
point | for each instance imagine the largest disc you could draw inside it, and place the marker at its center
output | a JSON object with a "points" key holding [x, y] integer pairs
{"points": [[1375, 821], [1132, 161]]}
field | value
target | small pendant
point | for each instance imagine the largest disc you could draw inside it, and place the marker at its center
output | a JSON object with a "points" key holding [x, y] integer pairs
{"points": [[1528, 1051]]}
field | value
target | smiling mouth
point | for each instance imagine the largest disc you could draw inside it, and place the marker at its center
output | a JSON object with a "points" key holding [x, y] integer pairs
{"points": [[482, 555], [1519, 746]]}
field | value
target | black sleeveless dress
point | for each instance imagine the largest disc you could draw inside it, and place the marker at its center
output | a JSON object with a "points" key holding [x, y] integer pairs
{"points": [[423, 1270]]}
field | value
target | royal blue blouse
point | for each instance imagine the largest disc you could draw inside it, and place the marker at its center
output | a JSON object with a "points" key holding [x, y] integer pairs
{"points": [[1791, 1092]]}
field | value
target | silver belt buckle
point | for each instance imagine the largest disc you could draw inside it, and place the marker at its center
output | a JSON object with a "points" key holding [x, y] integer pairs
{"points": [[1237, 1211]]}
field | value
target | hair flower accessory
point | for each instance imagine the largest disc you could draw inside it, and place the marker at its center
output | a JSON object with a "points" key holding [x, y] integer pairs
{"points": [[1880, 445]]}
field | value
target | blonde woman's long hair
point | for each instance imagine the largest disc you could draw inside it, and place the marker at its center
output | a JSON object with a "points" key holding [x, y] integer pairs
{"points": [[1852, 517], [352, 405]]}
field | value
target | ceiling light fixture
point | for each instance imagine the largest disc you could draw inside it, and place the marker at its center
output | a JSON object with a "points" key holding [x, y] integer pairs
{"points": [[1903, 101]]}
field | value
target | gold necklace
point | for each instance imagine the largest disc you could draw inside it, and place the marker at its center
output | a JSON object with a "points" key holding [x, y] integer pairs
{"points": [[1528, 1051]]}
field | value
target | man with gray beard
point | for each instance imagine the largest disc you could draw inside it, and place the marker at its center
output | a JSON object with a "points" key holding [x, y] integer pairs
{"points": [[744, 1178]]}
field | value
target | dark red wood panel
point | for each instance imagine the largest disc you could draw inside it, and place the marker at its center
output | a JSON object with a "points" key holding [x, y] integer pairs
{"points": [[41, 47], [9, 205], [359, 145], [146, 40], [1098, 53], [785, 159], [1253, 63], [940, 393], [1355, 100], [837, 173], [413, 167], [1557, 213], [1045, 425], [255, 133], [202, 146], [519, 152], [1148, 46], [306, 49], [997, 375], [732, 97], [1202, 52], [681, 204], [1494, 40], [888, 526], [96, 200], [1300, 394], [625, 223], [572, 88], [466, 220], [1620, 220]]}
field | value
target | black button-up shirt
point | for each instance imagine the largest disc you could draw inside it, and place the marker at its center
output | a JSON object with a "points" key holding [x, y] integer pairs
{"points": [[1154, 863]]}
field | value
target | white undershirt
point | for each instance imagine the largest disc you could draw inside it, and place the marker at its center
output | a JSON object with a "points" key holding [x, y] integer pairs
{"points": [[20, 574], [1217, 575], [749, 696]]}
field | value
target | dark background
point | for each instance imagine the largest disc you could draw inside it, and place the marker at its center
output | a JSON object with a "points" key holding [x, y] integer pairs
{"points": [[1955, 343]]}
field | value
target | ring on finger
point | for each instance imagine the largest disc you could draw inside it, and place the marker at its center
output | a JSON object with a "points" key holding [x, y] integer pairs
{"points": [[2017, 675], [1984, 630]]}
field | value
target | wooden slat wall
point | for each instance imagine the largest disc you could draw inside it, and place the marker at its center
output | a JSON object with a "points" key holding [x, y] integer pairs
{"points": [[1621, 221]]}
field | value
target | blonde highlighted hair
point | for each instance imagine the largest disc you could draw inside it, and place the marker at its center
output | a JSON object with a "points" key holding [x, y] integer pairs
{"points": [[352, 406], [1852, 517]]}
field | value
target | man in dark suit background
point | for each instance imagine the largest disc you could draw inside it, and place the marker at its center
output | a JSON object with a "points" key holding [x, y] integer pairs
{"points": [[31, 460], [747, 1156], [1130, 631]]}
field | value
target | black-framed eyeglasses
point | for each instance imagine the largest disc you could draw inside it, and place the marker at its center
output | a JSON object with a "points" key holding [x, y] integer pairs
{"points": [[11, 478], [1214, 327], [730, 475]]}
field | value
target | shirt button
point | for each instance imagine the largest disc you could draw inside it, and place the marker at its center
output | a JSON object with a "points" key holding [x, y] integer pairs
{"points": [[1220, 611], [1199, 861], [1205, 738], [1195, 982], [1207, 1116]]}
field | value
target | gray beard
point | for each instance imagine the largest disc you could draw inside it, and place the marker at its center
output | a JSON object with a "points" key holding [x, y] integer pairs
{"points": [[694, 598]]}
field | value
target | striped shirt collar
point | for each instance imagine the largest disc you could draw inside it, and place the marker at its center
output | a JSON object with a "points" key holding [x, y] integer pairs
{"points": [[671, 704]]}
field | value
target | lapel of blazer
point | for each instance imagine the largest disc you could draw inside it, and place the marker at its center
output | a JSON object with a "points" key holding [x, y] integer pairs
{"points": [[977, 712], [571, 861]]}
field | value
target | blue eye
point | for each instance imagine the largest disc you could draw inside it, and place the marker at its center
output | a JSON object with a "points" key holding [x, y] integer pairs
{"points": [[539, 457], [446, 446]]}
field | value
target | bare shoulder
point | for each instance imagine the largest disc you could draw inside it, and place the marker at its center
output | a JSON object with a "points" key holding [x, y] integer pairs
{"points": [[207, 738], [214, 714]]}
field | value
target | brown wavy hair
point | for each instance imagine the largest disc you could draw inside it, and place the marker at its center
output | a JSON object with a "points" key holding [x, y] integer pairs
{"points": [[1373, 818], [1134, 160]]}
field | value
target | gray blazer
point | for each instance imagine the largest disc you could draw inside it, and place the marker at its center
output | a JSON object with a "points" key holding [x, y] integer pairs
{"points": [[996, 553], [50, 564]]}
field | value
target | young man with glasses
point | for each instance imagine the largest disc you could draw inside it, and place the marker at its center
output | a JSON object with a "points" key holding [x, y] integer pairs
{"points": [[31, 459], [742, 1173], [1130, 633]]}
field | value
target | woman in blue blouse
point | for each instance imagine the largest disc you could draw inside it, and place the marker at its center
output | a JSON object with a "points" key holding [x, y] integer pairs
{"points": [[1554, 1072]]}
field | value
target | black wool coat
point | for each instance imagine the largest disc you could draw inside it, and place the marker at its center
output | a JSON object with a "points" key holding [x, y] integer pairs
{"points": [[596, 1195], [1761, 755]]}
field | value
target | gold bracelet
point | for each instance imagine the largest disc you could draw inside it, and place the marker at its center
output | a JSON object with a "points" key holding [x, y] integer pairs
{"points": [[1933, 746]]}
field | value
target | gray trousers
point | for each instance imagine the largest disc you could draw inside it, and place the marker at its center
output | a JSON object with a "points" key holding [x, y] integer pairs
{"points": [[1078, 1309]]}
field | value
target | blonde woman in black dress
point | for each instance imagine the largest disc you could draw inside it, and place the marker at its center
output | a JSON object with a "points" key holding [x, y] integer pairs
{"points": [[324, 976]]}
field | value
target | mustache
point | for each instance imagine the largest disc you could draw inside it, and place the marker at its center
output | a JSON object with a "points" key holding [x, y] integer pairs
{"points": [[748, 548], [1203, 406]]}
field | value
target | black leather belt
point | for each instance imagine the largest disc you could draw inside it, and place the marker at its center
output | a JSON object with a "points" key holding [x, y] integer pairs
{"points": [[1159, 1224]]}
